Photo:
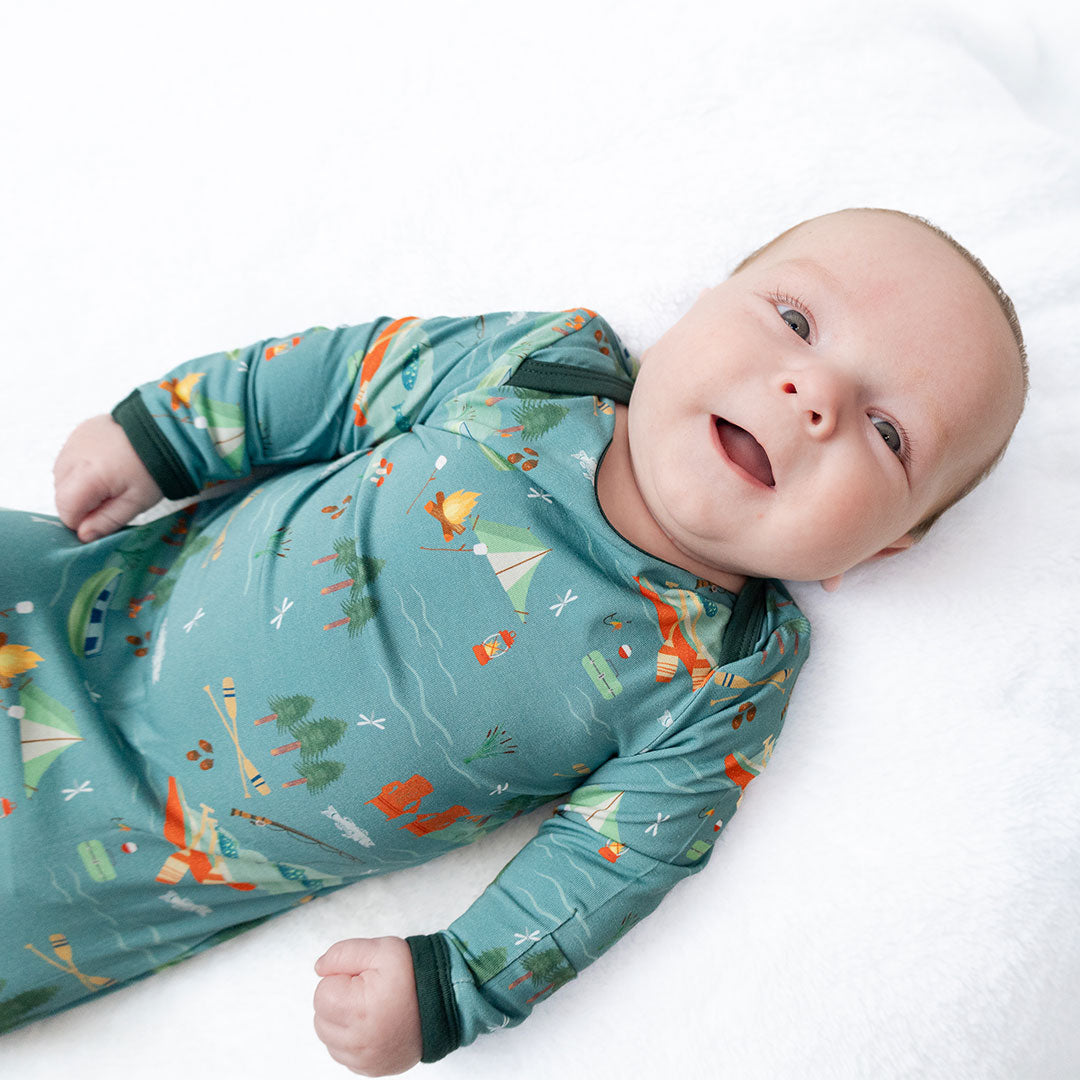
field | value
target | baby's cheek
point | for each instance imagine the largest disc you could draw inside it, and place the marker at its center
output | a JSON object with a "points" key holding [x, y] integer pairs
{"points": [[844, 531]]}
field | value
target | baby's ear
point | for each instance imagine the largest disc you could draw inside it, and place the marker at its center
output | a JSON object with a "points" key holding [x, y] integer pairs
{"points": [[833, 583], [894, 548]]}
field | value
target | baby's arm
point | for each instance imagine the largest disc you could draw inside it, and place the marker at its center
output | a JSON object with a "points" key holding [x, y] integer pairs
{"points": [[366, 1010], [318, 395], [642, 822], [100, 481]]}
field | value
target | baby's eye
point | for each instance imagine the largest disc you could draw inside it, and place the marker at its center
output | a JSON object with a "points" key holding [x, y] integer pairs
{"points": [[889, 433], [796, 320]]}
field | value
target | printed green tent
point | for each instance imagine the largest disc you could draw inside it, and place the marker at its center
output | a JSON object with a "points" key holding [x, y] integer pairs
{"points": [[225, 420], [46, 730], [599, 809], [514, 555]]}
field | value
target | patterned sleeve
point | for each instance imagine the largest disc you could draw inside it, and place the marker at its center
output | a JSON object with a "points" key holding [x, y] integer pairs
{"points": [[609, 855], [315, 395]]}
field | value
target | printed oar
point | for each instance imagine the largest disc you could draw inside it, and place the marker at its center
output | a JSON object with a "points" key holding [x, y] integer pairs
{"points": [[219, 543], [728, 679], [247, 769], [62, 949]]}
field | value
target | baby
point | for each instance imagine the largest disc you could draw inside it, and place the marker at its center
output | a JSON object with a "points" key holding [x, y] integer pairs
{"points": [[492, 564]]}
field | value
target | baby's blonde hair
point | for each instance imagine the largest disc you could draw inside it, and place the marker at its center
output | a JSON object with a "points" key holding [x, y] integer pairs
{"points": [[1007, 309]]}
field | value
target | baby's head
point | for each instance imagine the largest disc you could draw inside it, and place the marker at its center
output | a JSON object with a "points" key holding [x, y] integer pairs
{"points": [[849, 382]]}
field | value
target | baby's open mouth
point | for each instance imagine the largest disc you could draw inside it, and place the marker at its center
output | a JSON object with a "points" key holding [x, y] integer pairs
{"points": [[743, 449]]}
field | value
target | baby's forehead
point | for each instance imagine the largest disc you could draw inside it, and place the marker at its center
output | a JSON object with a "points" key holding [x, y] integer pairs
{"points": [[883, 269], [853, 243]]}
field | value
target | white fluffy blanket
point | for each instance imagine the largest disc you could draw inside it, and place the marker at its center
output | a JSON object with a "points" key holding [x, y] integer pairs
{"points": [[899, 896]]}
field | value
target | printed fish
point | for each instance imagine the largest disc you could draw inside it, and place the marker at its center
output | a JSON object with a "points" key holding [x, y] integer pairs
{"points": [[370, 365]]}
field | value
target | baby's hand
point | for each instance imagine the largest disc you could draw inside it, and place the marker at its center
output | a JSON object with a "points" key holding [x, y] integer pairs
{"points": [[101, 483], [366, 1010]]}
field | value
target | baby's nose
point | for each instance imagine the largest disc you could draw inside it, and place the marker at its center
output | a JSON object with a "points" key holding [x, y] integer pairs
{"points": [[817, 397]]}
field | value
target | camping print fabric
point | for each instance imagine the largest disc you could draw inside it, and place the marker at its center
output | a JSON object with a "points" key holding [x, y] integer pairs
{"points": [[418, 628]]}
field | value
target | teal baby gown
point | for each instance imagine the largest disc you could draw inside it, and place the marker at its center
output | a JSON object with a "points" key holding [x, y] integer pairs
{"points": [[415, 625]]}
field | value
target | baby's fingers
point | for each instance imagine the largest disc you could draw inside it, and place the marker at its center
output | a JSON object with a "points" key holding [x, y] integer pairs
{"points": [[343, 1024], [348, 957], [78, 494], [85, 504], [339, 1000], [335, 1037], [107, 519]]}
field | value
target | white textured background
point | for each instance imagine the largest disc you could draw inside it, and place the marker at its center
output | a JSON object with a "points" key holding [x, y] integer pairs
{"points": [[901, 897]]}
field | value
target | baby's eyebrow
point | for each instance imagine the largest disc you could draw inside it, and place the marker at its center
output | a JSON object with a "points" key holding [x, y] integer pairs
{"points": [[806, 263]]}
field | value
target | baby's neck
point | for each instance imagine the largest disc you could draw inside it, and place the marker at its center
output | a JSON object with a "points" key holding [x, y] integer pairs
{"points": [[626, 512]]}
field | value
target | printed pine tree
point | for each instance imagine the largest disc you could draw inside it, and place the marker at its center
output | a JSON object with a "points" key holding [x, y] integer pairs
{"points": [[312, 739], [360, 571], [359, 611], [288, 711], [317, 775], [521, 804], [548, 969], [276, 544], [488, 964], [137, 553], [538, 417], [551, 965], [16, 1009]]}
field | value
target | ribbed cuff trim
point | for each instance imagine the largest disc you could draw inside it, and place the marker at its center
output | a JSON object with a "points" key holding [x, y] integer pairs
{"points": [[439, 1028], [157, 454]]}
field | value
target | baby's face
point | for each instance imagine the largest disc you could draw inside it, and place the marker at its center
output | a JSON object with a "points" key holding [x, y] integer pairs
{"points": [[804, 415]]}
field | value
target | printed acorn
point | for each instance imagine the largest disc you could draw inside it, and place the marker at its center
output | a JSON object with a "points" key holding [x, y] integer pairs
{"points": [[194, 755], [530, 463]]}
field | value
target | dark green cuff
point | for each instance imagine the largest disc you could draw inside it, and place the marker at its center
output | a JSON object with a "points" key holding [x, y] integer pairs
{"points": [[439, 1029], [157, 453]]}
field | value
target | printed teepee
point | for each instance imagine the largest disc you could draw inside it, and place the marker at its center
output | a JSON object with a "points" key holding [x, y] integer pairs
{"points": [[514, 555], [225, 422], [599, 808], [46, 730]]}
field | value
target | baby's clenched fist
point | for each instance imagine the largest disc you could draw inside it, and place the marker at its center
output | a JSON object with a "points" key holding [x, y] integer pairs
{"points": [[366, 1010], [101, 482]]}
